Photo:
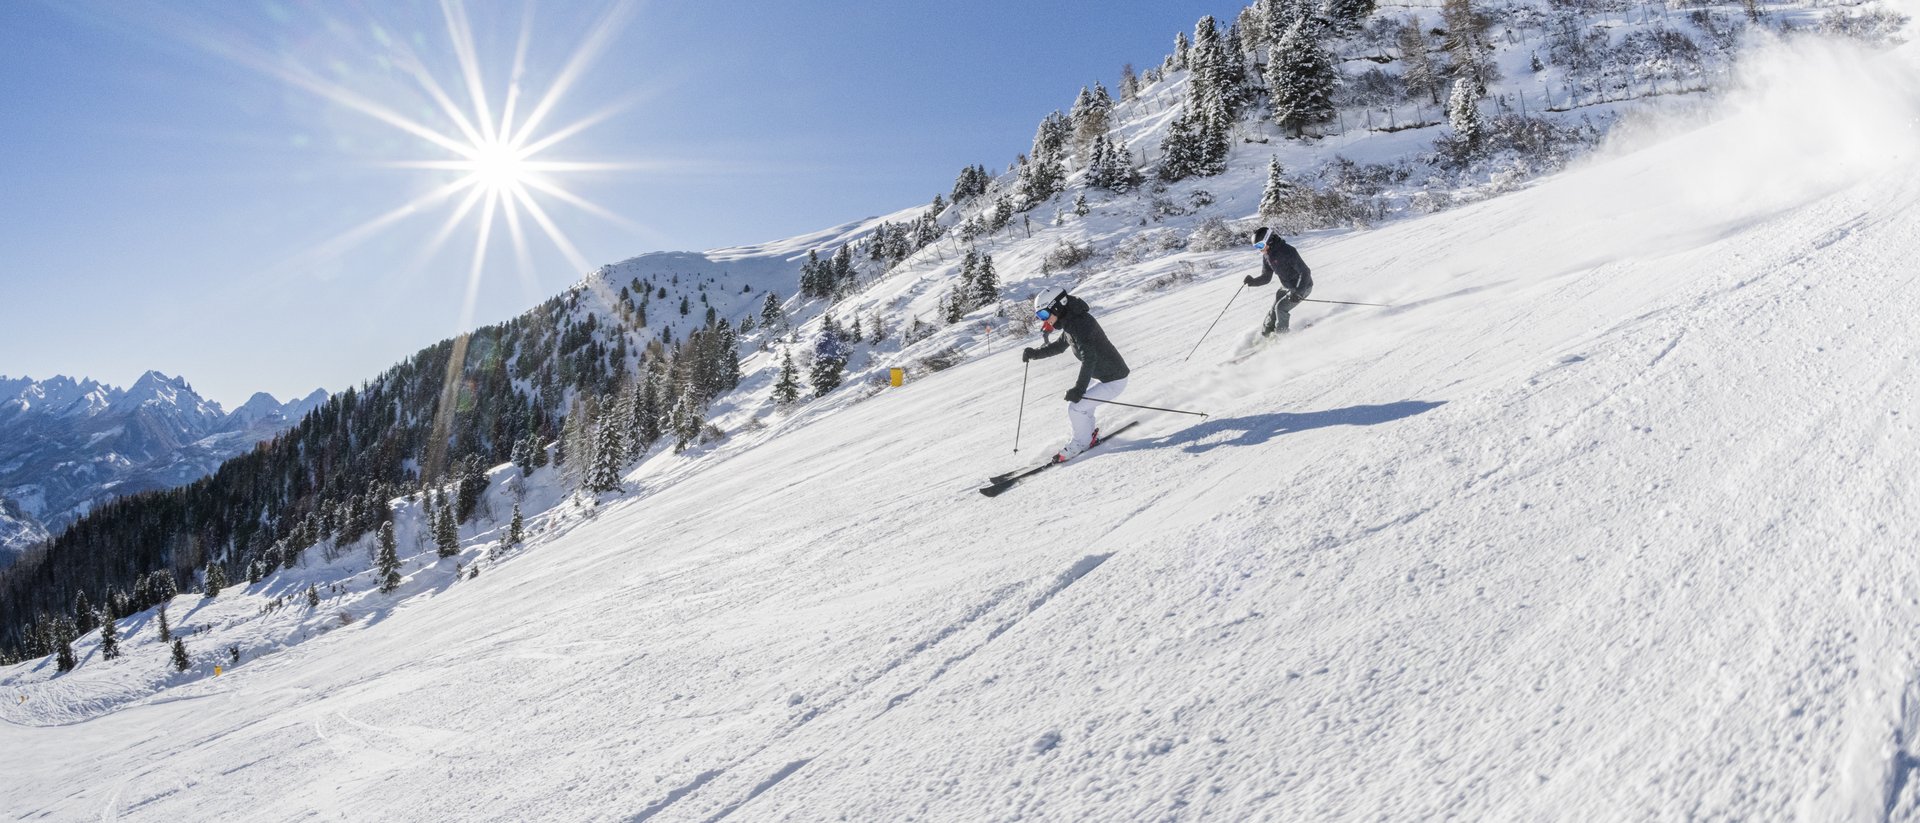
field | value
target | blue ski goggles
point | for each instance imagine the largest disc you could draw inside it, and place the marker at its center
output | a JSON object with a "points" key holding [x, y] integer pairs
{"points": [[1260, 246], [1043, 314]]}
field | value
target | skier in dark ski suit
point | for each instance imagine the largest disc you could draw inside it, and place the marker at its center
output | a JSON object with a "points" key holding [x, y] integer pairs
{"points": [[1103, 375], [1296, 280]]}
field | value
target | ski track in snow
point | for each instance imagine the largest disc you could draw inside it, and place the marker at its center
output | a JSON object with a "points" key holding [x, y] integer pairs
{"points": [[1611, 517]]}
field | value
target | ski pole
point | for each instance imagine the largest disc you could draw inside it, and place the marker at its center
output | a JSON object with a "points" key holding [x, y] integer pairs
{"points": [[1216, 321], [1344, 302], [1021, 417], [1138, 406]]}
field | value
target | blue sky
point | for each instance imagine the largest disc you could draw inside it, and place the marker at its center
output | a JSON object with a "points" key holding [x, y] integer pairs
{"points": [[169, 198]]}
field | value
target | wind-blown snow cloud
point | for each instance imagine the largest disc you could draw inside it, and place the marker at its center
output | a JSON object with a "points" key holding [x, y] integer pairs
{"points": [[1808, 116]]}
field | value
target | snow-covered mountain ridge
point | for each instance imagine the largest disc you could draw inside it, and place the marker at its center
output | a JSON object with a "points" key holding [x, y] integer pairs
{"points": [[67, 445], [1610, 516]]}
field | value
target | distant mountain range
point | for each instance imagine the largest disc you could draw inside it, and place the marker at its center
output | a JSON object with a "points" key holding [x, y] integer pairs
{"points": [[67, 445]]}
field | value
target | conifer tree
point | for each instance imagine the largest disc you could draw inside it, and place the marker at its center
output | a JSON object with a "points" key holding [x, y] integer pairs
{"points": [[608, 449], [1181, 51], [388, 563], [1346, 18], [646, 431], [84, 618], [516, 529], [1129, 83], [313, 596], [109, 638], [63, 654], [1273, 197], [770, 314], [446, 531], [786, 390], [216, 578], [166, 631], [1180, 151], [829, 360], [1300, 78], [986, 284], [180, 661], [1080, 206], [687, 419], [1463, 113], [255, 571]]}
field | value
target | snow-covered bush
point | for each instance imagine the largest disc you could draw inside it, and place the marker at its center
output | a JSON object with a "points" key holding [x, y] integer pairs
{"points": [[1065, 255], [1213, 234], [1879, 26], [1147, 245]]}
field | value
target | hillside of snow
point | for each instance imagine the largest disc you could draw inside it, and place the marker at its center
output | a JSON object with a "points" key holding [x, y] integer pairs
{"points": [[1610, 516]]}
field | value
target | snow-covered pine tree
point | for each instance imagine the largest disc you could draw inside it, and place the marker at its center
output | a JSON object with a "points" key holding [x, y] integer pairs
{"points": [[770, 314], [1273, 197], [1090, 117], [609, 452], [1215, 141], [786, 390], [446, 531], [180, 661], [387, 564], [829, 360], [686, 419], [166, 630], [516, 528], [216, 578], [313, 596], [1463, 113], [1346, 18], [63, 654], [255, 571], [842, 270], [1300, 78], [1129, 83], [986, 284], [109, 638], [1182, 50], [646, 416], [1180, 150], [1080, 206]]}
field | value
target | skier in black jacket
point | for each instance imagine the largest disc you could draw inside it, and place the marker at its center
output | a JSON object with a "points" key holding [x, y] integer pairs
{"points": [[1296, 280], [1103, 375]]}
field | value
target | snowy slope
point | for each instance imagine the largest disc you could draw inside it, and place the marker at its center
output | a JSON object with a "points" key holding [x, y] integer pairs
{"points": [[1611, 517]]}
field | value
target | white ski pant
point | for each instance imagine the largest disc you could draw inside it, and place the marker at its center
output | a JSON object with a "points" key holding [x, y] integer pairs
{"points": [[1080, 414]]}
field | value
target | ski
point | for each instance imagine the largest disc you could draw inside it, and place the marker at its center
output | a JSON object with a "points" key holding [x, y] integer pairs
{"points": [[1002, 482]]}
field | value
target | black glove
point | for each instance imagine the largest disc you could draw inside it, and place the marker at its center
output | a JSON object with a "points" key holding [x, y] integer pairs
{"points": [[1074, 395], [1028, 354], [1247, 281]]}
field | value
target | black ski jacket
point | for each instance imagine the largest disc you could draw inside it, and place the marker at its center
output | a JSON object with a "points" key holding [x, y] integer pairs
{"points": [[1099, 360], [1284, 260]]}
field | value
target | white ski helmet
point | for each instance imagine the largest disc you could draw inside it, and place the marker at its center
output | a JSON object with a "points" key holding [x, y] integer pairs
{"points": [[1047, 298]]}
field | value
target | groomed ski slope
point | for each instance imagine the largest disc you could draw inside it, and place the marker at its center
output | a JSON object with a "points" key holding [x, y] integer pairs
{"points": [[1613, 516]]}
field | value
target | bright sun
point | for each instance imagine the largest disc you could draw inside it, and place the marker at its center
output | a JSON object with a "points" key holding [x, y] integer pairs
{"points": [[496, 146], [499, 167]]}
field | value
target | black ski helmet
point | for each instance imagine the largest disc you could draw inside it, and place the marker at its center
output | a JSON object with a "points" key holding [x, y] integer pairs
{"points": [[1261, 234]]}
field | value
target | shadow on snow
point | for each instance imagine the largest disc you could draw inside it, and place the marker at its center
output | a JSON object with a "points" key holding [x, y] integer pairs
{"points": [[1261, 428]]}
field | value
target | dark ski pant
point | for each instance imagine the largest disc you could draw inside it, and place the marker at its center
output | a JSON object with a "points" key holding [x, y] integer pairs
{"points": [[1280, 318]]}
